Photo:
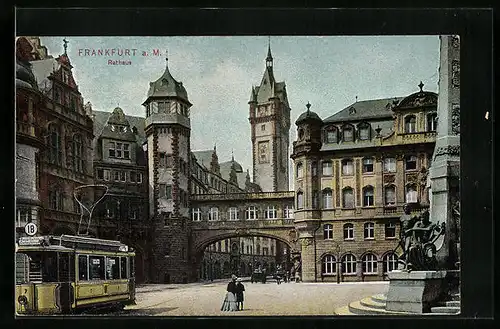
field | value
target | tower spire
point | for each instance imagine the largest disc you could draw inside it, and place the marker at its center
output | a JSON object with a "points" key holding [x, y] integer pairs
{"points": [[65, 45], [269, 58]]}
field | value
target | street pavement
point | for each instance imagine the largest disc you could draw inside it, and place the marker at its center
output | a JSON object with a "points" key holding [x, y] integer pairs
{"points": [[269, 299]]}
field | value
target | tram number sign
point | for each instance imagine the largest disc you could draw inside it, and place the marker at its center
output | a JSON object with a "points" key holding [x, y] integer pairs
{"points": [[30, 229]]}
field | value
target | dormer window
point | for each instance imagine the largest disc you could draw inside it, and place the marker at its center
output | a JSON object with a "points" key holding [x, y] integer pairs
{"points": [[154, 107], [352, 111], [431, 122], [164, 82], [348, 134], [410, 124], [301, 133], [364, 131], [331, 135]]}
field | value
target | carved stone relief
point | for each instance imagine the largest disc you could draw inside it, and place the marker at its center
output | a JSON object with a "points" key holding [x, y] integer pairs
{"points": [[306, 242], [411, 178], [455, 119], [450, 149], [388, 179], [455, 73], [455, 41]]}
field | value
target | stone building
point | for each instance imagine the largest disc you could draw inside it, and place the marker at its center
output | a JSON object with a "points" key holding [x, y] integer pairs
{"points": [[51, 114], [120, 164], [353, 172]]}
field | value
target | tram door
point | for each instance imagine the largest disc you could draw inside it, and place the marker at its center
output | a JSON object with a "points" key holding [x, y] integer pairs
{"points": [[66, 275]]}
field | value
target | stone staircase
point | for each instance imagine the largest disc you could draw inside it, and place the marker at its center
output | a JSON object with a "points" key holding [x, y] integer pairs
{"points": [[375, 305]]}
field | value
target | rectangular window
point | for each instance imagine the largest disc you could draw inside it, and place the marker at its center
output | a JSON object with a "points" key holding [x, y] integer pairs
{"points": [[411, 162], [139, 177], [126, 151], [123, 176], [271, 213], [162, 163], [100, 173], [169, 161], [347, 167], [83, 270], [106, 174], [263, 127], [111, 149], [116, 175], [327, 168], [96, 267], [112, 268], [390, 230], [389, 165], [161, 190], [133, 178], [368, 165], [119, 150], [168, 191], [123, 268]]}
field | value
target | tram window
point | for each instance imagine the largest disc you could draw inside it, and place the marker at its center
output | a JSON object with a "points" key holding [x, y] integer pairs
{"points": [[96, 267], [112, 268], [123, 267], [49, 267], [66, 267], [132, 267], [22, 268], [83, 267]]}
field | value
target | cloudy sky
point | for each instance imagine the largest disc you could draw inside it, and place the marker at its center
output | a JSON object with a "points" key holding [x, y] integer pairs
{"points": [[218, 73]]}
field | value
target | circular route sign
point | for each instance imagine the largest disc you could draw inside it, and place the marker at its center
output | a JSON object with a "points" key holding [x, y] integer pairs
{"points": [[30, 229]]}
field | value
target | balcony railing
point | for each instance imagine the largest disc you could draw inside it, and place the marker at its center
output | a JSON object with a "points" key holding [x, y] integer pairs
{"points": [[26, 128], [246, 223], [243, 196]]}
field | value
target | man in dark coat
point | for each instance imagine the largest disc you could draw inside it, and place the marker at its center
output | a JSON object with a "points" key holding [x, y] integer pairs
{"points": [[240, 288]]}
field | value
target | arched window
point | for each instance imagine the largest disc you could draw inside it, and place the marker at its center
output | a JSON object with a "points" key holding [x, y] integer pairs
{"points": [[78, 155], [410, 124], [349, 264], [411, 162], [328, 231], [330, 135], [390, 195], [369, 230], [348, 133], [55, 152], [300, 170], [251, 212], [271, 212], [213, 213], [390, 262], [368, 196], [300, 133], [196, 214], [327, 168], [329, 265], [348, 197], [233, 213], [411, 193], [300, 200], [347, 167], [327, 198], [348, 231], [369, 262], [432, 122], [364, 131]]}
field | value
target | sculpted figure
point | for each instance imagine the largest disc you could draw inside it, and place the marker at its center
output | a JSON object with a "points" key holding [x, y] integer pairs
{"points": [[407, 222]]}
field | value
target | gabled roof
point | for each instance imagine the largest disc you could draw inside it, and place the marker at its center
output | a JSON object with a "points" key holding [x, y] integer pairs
{"points": [[362, 110], [42, 69], [101, 118]]}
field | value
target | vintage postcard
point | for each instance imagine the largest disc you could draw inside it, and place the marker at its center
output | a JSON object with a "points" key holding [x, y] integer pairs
{"points": [[225, 175]]}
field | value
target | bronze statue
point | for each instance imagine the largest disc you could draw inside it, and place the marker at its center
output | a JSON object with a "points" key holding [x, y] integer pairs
{"points": [[407, 221], [421, 251]]}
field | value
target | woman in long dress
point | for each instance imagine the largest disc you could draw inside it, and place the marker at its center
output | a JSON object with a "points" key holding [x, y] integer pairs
{"points": [[229, 304]]}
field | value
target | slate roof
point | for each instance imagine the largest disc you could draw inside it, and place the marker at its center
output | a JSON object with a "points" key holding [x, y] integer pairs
{"points": [[204, 157], [167, 86], [369, 109], [308, 115], [101, 117]]}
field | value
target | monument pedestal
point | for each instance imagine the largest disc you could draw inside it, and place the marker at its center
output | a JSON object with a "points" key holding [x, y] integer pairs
{"points": [[415, 291]]}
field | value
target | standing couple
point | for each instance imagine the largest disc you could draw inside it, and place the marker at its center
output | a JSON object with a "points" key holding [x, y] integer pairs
{"points": [[234, 295]]}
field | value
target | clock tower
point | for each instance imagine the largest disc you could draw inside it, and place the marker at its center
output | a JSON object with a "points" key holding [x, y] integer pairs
{"points": [[270, 125]]}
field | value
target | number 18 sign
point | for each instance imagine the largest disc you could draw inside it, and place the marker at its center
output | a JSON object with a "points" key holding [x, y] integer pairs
{"points": [[30, 229]]}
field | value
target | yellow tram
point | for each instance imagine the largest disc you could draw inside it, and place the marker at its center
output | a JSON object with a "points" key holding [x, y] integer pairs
{"points": [[66, 274]]}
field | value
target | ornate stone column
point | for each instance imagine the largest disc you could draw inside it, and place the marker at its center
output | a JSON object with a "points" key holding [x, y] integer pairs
{"points": [[445, 169], [306, 231]]}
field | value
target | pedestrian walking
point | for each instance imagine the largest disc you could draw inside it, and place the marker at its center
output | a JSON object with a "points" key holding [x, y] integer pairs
{"points": [[229, 303], [240, 288]]}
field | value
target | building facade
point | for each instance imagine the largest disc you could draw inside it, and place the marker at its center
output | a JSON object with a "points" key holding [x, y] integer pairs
{"points": [[354, 171]]}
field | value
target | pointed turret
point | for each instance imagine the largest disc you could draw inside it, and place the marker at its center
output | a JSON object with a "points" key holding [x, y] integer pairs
{"points": [[167, 86]]}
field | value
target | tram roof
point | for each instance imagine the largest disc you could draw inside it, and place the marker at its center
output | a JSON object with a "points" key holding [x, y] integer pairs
{"points": [[73, 241]]}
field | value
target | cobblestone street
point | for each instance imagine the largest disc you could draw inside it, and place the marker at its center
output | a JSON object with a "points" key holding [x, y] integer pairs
{"points": [[270, 299]]}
